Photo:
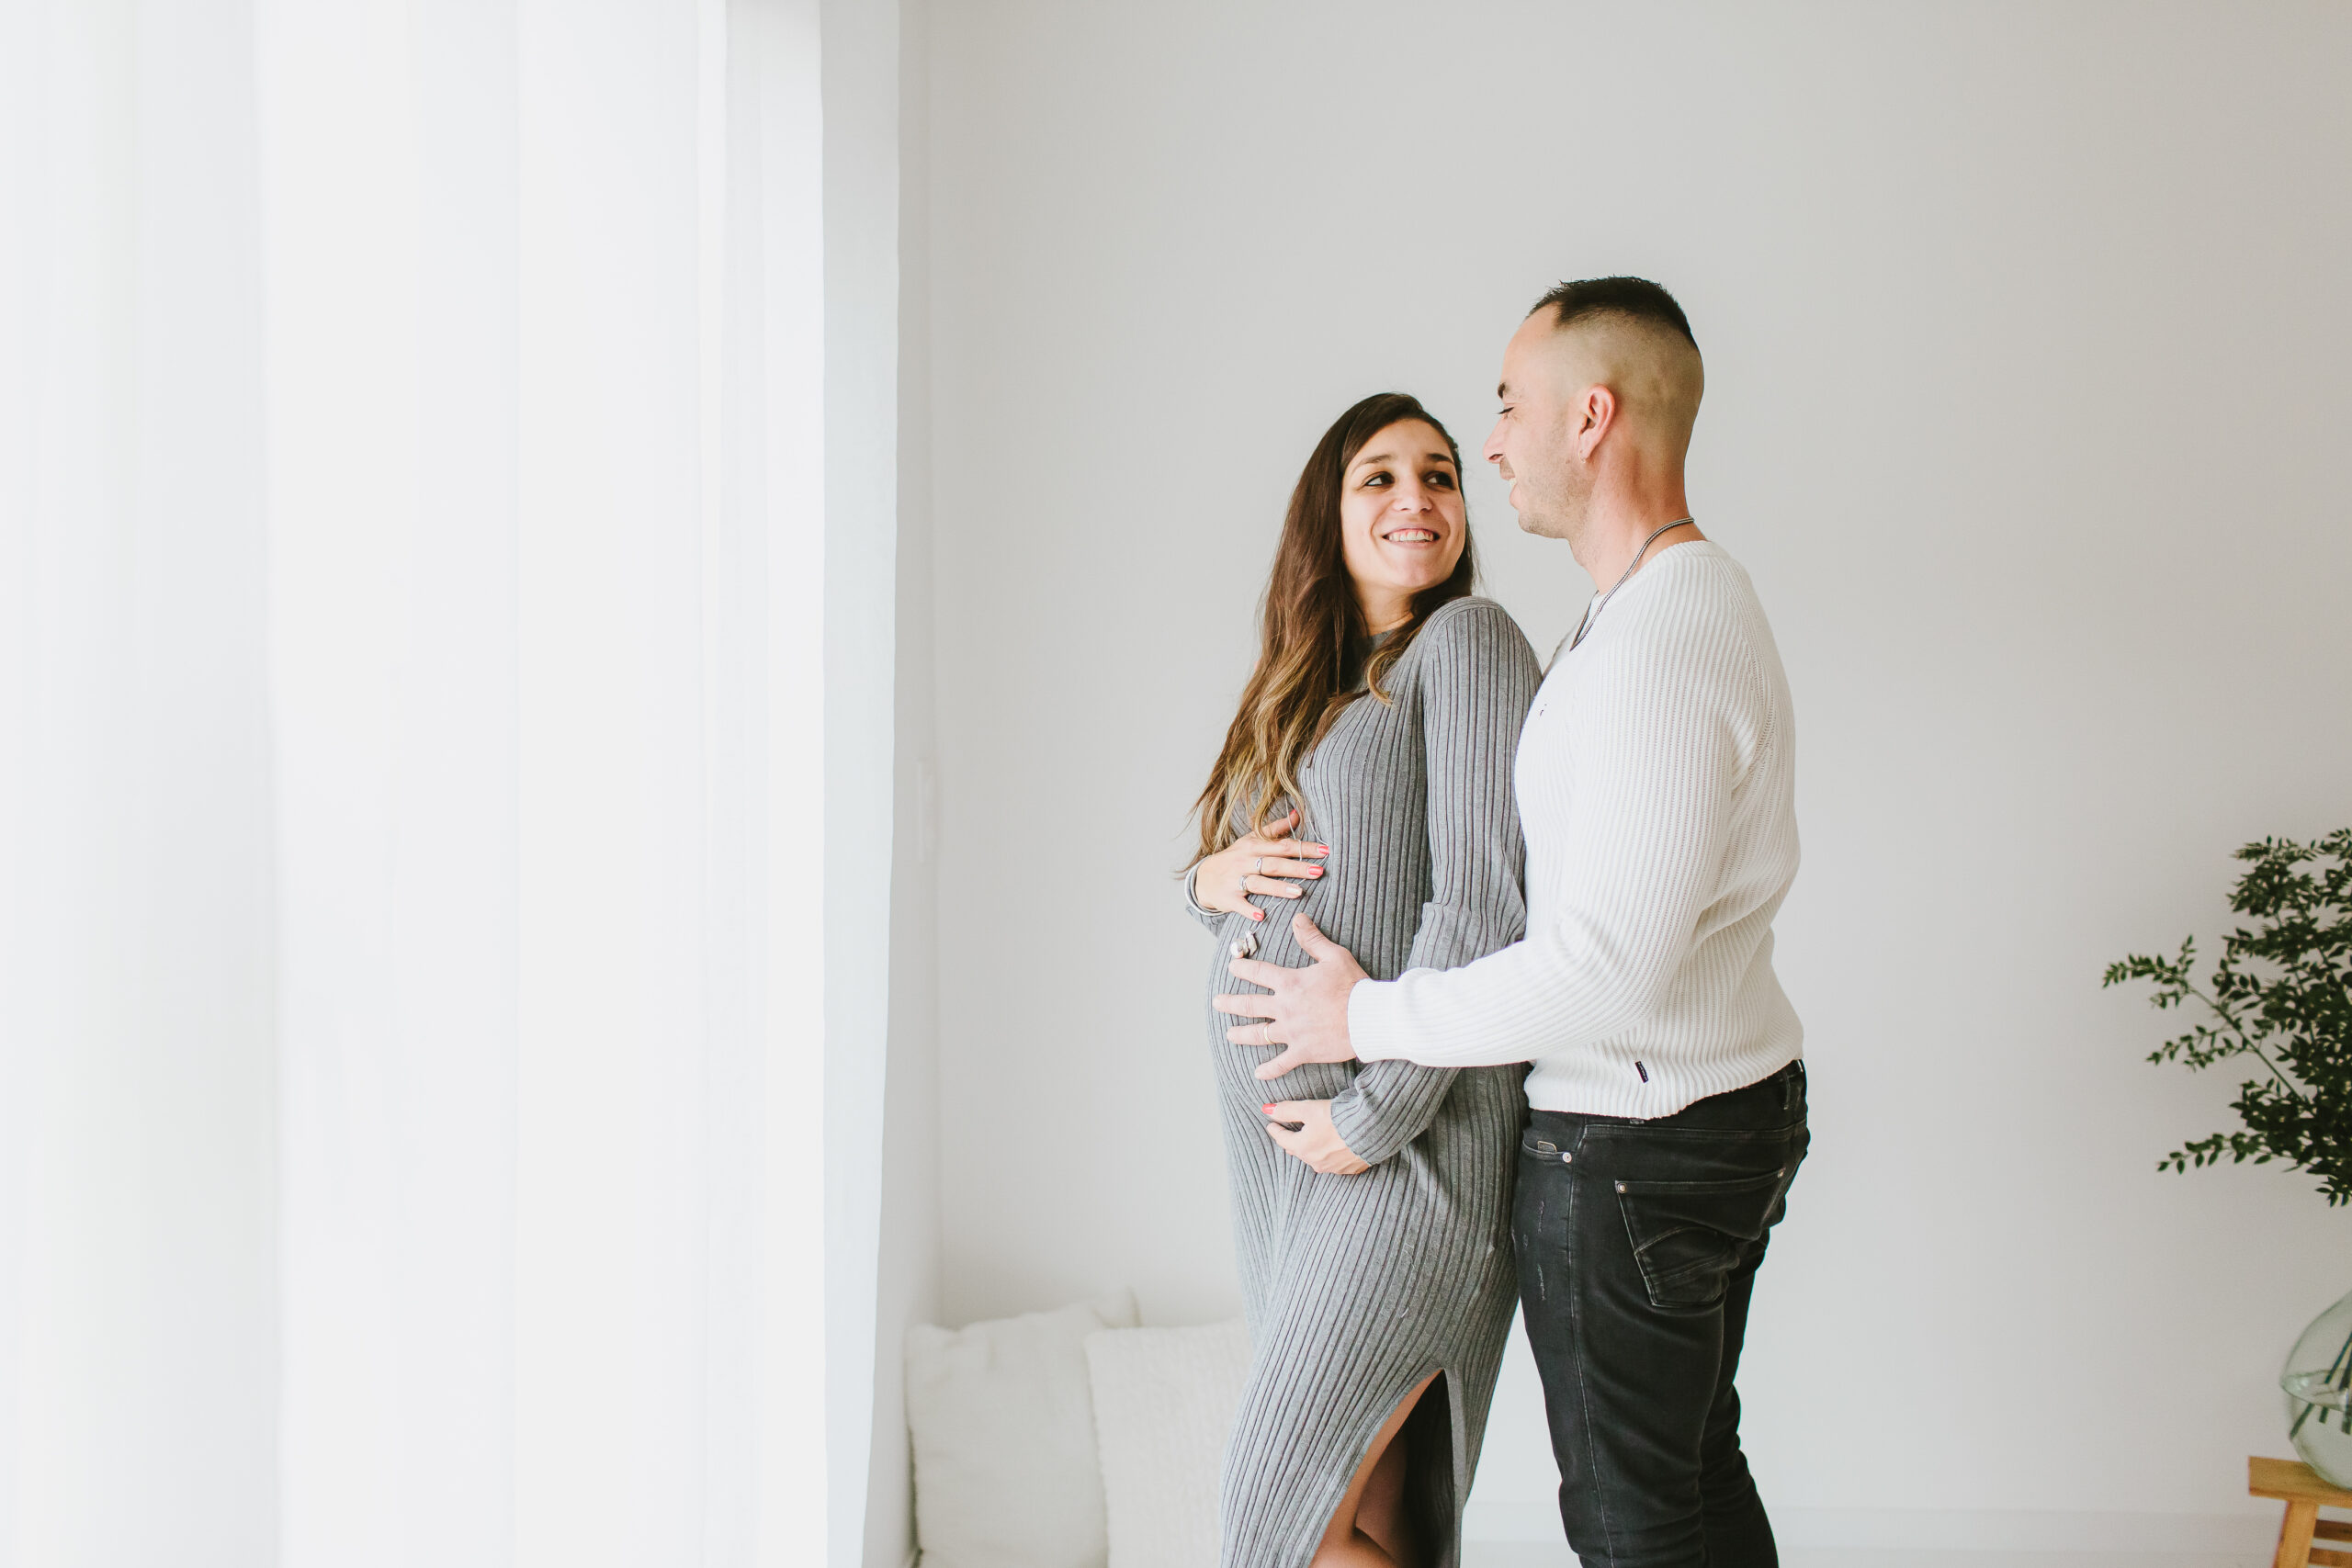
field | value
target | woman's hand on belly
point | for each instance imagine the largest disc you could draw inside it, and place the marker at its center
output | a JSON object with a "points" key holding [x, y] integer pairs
{"points": [[1271, 863], [1316, 1142]]}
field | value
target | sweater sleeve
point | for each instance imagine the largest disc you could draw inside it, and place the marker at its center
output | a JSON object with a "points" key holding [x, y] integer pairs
{"points": [[1478, 678], [1641, 814], [1212, 918]]}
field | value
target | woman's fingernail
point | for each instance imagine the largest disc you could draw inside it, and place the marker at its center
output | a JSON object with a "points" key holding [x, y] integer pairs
{"points": [[1269, 1106], [1314, 871]]}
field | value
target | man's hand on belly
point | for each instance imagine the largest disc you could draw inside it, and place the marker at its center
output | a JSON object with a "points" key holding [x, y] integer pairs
{"points": [[1308, 1009]]}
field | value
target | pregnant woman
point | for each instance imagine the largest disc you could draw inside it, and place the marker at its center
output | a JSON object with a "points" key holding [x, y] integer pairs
{"points": [[1366, 779]]}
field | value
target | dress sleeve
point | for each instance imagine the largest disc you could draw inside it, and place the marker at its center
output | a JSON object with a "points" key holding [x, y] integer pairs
{"points": [[1478, 679]]}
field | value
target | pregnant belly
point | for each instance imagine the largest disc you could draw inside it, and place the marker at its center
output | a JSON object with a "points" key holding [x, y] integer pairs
{"points": [[1338, 909]]}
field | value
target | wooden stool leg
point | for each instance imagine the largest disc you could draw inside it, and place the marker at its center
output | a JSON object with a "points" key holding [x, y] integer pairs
{"points": [[2295, 1536]]}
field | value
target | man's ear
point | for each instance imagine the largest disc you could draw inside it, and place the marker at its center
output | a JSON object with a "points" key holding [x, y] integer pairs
{"points": [[1595, 413]]}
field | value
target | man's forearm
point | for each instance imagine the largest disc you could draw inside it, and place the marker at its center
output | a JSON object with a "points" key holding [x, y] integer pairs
{"points": [[1457, 1018]]}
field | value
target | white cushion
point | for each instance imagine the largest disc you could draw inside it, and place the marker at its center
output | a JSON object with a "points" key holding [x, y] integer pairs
{"points": [[1164, 1404], [1003, 1429]]}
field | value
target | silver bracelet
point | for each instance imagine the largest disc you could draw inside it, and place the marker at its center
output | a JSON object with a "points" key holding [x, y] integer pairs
{"points": [[1192, 895]]}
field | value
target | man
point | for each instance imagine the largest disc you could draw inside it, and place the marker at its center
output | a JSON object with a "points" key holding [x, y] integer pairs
{"points": [[1668, 1114]]}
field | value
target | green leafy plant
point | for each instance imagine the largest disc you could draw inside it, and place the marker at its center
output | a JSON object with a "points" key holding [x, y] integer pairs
{"points": [[2282, 995]]}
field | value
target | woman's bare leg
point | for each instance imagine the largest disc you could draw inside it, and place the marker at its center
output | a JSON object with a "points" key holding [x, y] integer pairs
{"points": [[1368, 1530], [1380, 1512]]}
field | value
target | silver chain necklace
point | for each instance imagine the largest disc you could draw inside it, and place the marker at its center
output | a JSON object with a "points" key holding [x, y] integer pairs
{"points": [[1593, 608]]}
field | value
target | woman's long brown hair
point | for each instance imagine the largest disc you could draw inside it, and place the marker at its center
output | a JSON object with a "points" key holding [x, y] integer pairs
{"points": [[1310, 620]]}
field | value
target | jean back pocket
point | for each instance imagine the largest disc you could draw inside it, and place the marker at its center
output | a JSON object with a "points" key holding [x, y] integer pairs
{"points": [[1692, 1237]]}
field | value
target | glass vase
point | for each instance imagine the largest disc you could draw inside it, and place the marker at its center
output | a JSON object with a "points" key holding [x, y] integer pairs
{"points": [[2318, 1384]]}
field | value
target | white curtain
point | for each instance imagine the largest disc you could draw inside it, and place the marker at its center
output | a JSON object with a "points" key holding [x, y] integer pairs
{"points": [[412, 940], [137, 1352]]}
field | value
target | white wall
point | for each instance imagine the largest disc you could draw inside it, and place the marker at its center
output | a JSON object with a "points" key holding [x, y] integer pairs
{"points": [[2028, 351]]}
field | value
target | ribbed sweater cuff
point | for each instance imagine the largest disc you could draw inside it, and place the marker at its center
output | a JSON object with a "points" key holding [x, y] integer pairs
{"points": [[1371, 1009]]}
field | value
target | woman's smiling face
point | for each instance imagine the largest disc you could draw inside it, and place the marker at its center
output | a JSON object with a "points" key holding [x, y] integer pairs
{"points": [[1401, 520]]}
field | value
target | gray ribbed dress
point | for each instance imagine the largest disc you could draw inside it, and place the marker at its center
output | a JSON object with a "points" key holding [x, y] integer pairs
{"points": [[1358, 1287]]}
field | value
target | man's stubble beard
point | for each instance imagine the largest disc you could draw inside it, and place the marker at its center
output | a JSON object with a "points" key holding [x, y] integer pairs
{"points": [[1555, 515]]}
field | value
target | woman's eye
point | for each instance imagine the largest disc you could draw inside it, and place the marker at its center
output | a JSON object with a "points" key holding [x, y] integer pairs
{"points": [[1371, 479], [1440, 477]]}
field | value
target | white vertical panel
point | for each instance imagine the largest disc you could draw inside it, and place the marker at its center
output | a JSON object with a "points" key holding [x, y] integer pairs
{"points": [[540, 1273], [861, 257], [610, 1234], [454, 950], [391, 333], [786, 492], [519, 360], [732, 644], [135, 1059], [20, 1060], [343, 380]]}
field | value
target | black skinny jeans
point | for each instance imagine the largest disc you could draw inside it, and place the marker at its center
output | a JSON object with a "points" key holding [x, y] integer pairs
{"points": [[1638, 1243]]}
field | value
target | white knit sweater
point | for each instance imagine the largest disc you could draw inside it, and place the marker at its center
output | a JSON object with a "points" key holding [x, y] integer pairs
{"points": [[1656, 780]]}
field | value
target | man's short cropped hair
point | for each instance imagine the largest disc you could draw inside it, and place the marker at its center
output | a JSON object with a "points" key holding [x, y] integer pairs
{"points": [[1634, 297]]}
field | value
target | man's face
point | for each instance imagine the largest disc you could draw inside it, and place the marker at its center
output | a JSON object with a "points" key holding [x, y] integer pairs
{"points": [[1532, 447]]}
